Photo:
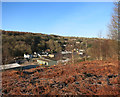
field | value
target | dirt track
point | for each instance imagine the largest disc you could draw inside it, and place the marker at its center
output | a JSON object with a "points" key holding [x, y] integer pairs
{"points": [[85, 78]]}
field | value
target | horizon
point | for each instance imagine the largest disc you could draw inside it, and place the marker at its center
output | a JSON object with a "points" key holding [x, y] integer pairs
{"points": [[57, 35], [67, 19]]}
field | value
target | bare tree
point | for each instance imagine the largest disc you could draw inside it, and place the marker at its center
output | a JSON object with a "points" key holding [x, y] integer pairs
{"points": [[113, 26], [113, 30]]}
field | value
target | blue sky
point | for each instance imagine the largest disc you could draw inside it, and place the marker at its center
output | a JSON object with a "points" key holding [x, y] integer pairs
{"points": [[80, 19]]}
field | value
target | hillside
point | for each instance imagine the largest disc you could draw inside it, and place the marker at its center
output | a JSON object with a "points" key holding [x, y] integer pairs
{"points": [[84, 78], [16, 44]]}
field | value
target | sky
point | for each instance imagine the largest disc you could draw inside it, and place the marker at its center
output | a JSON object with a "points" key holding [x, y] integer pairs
{"points": [[80, 19]]}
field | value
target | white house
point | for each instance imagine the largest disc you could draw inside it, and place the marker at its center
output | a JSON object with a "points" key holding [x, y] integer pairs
{"points": [[66, 52], [26, 56], [51, 55], [77, 42]]}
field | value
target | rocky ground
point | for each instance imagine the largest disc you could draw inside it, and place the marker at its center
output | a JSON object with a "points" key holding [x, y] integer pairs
{"points": [[85, 78]]}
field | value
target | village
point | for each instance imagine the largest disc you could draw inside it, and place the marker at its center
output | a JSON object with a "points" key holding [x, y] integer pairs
{"points": [[45, 59]]}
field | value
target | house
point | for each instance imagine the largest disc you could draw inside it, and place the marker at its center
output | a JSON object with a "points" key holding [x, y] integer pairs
{"points": [[64, 45], [26, 56], [46, 62], [48, 50], [51, 55], [63, 60], [80, 52], [39, 55], [66, 52], [35, 53], [74, 49], [66, 41], [77, 42], [44, 55], [35, 56], [73, 39]]}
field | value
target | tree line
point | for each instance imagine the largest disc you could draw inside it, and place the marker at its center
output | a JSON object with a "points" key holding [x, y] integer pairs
{"points": [[15, 44]]}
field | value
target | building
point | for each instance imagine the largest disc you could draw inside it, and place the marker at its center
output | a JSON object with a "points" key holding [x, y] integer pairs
{"points": [[77, 42], [51, 55], [81, 50], [46, 62], [63, 60], [44, 55], [64, 45], [26, 56], [9, 66], [66, 52], [81, 53], [73, 39]]}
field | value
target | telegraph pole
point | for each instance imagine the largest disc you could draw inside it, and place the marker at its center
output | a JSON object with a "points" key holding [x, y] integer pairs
{"points": [[86, 51], [72, 58], [100, 45]]}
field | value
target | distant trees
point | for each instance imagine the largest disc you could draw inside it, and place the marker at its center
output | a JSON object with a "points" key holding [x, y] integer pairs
{"points": [[6, 56], [20, 48], [54, 46], [51, 45], [58, 47], [15, 44], [94, 51], [108, 48], [41, 45], [103, 49]]}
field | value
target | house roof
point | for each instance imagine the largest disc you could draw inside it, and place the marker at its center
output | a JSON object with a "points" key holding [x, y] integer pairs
{"points": [[43, 59]]}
